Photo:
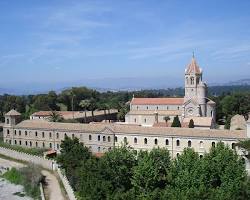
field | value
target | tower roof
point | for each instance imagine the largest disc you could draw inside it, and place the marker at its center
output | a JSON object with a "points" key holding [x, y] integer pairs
{"points": [[193, 67], [12, 113]]}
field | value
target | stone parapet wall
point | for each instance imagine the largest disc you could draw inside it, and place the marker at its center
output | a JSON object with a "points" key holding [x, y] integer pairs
{"points": [[45, 163], [66, 185]]}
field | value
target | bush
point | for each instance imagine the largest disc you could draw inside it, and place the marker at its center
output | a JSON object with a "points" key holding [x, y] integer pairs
{"points": [[30, 177]]}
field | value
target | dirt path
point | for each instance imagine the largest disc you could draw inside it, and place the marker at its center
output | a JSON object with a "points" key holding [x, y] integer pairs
{"points": [[53, 186]]}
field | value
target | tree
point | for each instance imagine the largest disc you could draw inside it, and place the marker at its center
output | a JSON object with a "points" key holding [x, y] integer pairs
{"points": [[191, 123], [218, 165], [92, 106], [176, 122], [152, 171], [73, 153], [55, 117], [85, 105], [118, 164], [166, 118]]}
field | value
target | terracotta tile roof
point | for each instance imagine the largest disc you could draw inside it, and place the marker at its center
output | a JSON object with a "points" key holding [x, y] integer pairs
{"points": [[193, 67], [157, 101], [153, 112], [128, 129], [13, 113]]}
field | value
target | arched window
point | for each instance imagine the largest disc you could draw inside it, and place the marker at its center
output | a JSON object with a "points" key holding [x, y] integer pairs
{"points": [[211, 113], [137, 107], [109, 149], [20, 133], [145, 120], [8, 131], [177, 143], [145, 141], [26, 133], [189, 143], [31, 144], [166, 142], [20, 142], [57, 135], [7, 121], [26, 143], [57, 146], [186, 80], [36, 134], [15, 141], [135, 120], [65, 135], [15, 132], [135, 140], [43, 145], [104, 138], [233, 145], [108, 138], [177, 155], [201, 156], [156, 141], [125, 140], [116, 139], [147, 107], [50, 135], [99, 137], [178, 108], [192, 80], [99, 149], [201, 144], [157, 108], [73, 135], [36, 144], [167, 107], [213, 144], [50, 145], [90, 137]]}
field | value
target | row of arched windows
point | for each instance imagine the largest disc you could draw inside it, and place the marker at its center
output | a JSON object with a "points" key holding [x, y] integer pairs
{"points": [[36, 133], [99, 138], [30, 143], [178, 143]]}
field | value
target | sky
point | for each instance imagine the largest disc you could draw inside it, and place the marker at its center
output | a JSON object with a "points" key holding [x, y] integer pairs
{"points": [[121, 43]]}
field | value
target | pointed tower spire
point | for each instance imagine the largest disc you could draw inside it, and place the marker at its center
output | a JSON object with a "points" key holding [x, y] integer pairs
{"points": [[193, 67]]}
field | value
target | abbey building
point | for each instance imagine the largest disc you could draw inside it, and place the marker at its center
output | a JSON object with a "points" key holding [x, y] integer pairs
{"points": [[194, 105]]}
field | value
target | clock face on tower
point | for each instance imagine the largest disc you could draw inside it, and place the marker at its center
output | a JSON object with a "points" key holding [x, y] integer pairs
{"points": [[190, 111]]}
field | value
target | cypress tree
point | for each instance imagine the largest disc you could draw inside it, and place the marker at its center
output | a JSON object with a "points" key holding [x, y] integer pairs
{"points": [[176, 122], [191, 123]]}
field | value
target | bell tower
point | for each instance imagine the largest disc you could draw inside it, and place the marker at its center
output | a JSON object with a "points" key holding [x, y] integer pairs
{"points": [[193, 77]]}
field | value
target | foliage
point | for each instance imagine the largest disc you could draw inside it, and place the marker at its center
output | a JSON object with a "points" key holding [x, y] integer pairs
{"points": [[123, 175], [191, 123], [176, 122], [55, 117], [32, 151], [30, 177]]}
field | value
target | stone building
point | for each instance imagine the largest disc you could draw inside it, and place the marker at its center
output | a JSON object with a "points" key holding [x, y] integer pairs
{"points": [[195, 104], [101, 137]]}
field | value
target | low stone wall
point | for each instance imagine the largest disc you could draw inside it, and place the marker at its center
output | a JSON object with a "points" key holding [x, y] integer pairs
{"points": [[66, 185], [45, 163]]}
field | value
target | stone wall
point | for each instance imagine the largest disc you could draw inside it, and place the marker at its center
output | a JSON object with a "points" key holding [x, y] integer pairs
{"points": [[66, 185], [45, 163]]}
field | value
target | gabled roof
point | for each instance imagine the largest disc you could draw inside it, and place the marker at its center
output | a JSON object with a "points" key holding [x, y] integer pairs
{"points": [[12, 113], [157, 101], [193, 67]]}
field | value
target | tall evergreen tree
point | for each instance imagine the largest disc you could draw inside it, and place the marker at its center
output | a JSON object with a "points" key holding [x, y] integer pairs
{"points": [[176, 122]]}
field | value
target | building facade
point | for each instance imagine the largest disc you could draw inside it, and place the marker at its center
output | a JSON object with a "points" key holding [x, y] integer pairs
{"points": [[195, 104], [101, 137]]}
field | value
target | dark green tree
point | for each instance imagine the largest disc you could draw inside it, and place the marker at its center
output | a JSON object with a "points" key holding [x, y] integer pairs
{"points": [[191, 123], [176, 122]]}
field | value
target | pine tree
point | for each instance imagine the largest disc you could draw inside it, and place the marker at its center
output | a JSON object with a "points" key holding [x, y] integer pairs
{"points": [[191, 123], [176, 122]]}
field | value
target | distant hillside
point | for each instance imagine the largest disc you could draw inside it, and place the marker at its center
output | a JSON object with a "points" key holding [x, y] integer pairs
{"points": [[239, 82]]}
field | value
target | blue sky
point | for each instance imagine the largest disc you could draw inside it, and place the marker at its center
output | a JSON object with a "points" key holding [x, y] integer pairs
{"points": [[59, 43]]}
